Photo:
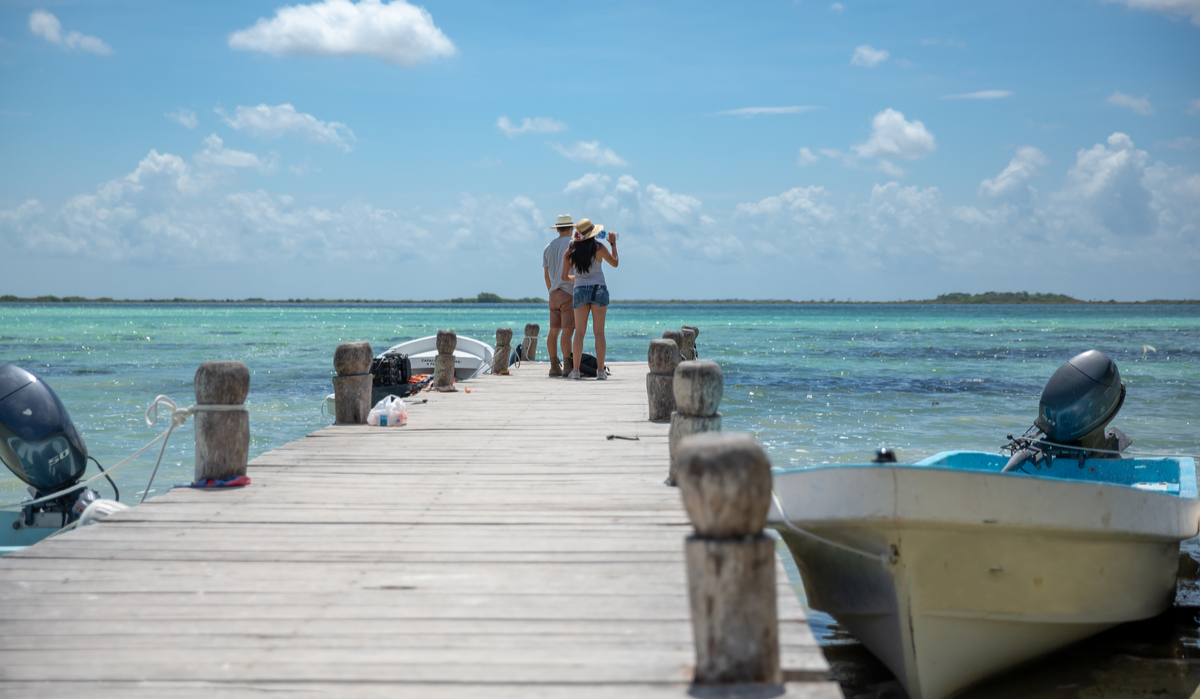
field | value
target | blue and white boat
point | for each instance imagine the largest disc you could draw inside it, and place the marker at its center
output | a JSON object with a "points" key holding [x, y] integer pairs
{"points": [[951, 568]]}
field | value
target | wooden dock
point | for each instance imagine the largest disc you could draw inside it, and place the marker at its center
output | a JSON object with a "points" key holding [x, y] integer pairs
{"points": [[497, 546]]}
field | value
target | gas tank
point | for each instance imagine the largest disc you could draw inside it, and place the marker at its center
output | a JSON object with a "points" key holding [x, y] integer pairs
{"points": [[38, 441]]}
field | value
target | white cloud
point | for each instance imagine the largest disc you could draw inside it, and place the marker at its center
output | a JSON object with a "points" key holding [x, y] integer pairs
{"points": [[1014, 180], [1104, 188], [1193, 107], [806, 157], [1141, 105], [537, 125], [1183, 143], [183, 117], [215, 154], [756, 111], [837, 7], [268, 122], [1178, 8], [396, 32], [806, 206], [892, 136], [669, 224], [948, 43], [868, 57], [47, 26], [981, 95], [590, 152]]}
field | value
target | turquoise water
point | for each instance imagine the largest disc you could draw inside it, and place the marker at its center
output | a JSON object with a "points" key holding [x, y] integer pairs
{"points": [[817, 383]]}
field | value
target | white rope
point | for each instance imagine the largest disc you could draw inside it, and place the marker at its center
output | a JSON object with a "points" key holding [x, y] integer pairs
{"points": [[885, 560], [178, 417]]}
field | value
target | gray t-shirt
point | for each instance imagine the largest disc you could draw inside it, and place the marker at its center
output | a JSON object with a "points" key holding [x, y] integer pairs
{"points": [[552, 257]]}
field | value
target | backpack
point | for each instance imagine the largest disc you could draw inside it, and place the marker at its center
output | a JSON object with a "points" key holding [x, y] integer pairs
{"points": [[391, 370], [587, 366]]}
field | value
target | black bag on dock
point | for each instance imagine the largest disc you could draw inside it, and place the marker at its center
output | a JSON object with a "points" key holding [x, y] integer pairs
{"points": [[587, 365], [391, 370]]}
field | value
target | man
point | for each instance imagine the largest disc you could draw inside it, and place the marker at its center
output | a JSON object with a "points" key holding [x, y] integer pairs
{"points": [[562, 314]]}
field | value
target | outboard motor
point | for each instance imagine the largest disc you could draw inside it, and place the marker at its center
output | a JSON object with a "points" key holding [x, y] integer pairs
{"points": [[39, 443], [1077, 404]]}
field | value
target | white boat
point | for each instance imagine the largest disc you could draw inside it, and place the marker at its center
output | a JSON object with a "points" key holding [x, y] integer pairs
{"points": [[950, 570], [471, 357]]}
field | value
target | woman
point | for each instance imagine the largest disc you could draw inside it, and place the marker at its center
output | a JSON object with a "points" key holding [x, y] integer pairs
{"points": [[583, 262]]}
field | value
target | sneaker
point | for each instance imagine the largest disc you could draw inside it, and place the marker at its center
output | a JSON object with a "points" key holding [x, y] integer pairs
{"points": [[574, 374], [602, 375], [555, 367]]}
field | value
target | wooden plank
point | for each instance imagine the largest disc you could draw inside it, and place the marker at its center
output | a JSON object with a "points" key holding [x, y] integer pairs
{"points": [[475, 552]]}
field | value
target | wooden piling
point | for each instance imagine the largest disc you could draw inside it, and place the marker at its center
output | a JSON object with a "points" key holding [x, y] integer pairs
{"points": [[352, 386], [222, 436], [698, 389], [725, 481], [530, 343], [663, 358], [688, 350], [443, 362], [503, 351]]}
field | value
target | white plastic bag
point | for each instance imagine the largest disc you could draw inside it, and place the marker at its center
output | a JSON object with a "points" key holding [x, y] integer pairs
{"points": [[389, 412]]}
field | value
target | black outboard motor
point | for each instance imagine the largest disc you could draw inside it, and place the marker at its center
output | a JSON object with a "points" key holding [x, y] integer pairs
{"points": [[39, 443], [1077, 404]]}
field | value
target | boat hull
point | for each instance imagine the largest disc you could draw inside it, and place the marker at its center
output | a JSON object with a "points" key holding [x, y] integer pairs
{"points": [[471, 356], [990, 570]]}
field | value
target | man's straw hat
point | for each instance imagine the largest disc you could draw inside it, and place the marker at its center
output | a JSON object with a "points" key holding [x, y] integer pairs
{"points": [[564, 220]]}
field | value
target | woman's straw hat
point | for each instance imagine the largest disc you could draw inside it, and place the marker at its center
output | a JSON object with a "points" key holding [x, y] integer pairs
{"points": [[586, 229], [564, 220]]}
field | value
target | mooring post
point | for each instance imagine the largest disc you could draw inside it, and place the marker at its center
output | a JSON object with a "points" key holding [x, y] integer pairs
{"points": [[352, 385], [222, 435], [662, 357], [676, 336], [688, 351], [725, 480], [695, 330], [698, 388], [443, 362], [503, 351], [529, 344]]}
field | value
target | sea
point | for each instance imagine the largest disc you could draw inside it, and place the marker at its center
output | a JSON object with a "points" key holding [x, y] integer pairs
{"points": [[815, 383]]}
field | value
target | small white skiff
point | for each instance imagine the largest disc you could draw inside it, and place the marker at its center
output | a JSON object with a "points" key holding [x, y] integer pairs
{"points": [[471, 357], [962, 571]]}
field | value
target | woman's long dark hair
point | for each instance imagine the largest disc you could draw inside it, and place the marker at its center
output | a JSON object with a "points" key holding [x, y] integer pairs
{"points": [[583, 254]]}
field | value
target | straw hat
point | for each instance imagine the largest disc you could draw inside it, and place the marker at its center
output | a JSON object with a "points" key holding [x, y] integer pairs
{"points": [[586, 229], [564, 220]]}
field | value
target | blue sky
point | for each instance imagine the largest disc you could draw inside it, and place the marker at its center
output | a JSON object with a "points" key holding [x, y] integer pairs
{"points": [[851, 150]]}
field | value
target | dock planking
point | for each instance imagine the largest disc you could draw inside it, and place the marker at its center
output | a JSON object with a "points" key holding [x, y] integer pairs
{"points": [[499, 545]]}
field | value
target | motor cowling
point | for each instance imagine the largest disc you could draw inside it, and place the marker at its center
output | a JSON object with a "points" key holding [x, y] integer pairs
{"points": [[38, 441], [1080, 398]]}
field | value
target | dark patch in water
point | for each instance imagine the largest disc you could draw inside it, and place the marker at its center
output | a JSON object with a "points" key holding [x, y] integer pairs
{"points": [[89, 370]]}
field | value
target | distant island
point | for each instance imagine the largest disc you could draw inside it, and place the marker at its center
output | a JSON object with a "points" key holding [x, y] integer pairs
{"points": [[489, 298]]}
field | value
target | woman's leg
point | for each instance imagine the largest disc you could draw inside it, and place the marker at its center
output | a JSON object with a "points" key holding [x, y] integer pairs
{"points": [[598, 314], [581, 321]]}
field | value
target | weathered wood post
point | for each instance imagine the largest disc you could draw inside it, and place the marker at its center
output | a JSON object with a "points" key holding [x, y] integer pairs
{"points": [[695, 352], [222, 434], [688, 350], [676, 336], [352, 386], [443, 362], [725, 479], [662, 357], [698, 388], [530, 343], [503, 351]]}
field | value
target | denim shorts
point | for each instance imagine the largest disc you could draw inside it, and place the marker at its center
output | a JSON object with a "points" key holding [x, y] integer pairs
{"points": [[594, 294]]}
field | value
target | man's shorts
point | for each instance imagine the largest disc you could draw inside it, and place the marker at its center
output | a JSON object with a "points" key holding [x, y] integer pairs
{"points": [[593, 294], [562, 316]]}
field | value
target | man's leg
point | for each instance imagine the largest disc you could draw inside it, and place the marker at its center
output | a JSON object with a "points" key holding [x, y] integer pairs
{"points": [[552, 344], [567, 335]]}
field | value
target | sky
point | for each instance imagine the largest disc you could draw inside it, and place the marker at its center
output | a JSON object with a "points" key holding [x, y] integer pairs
{"points": [[852, 150]]}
